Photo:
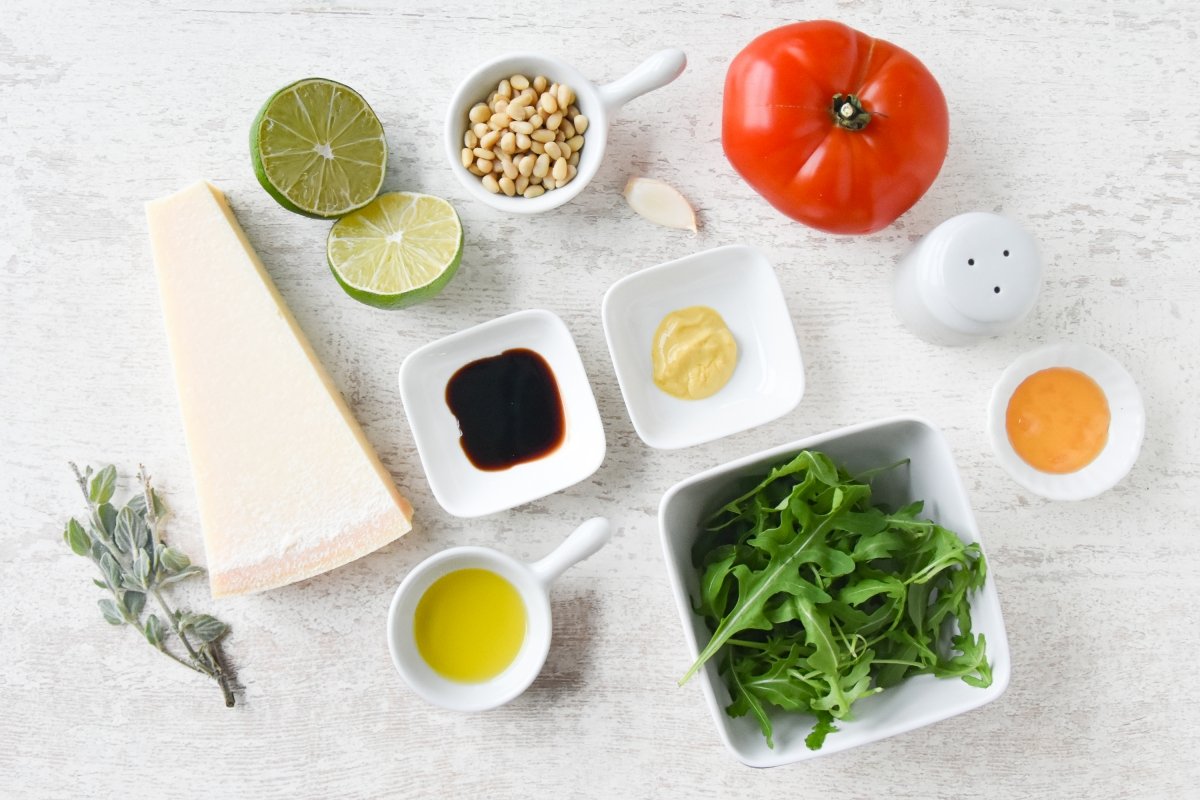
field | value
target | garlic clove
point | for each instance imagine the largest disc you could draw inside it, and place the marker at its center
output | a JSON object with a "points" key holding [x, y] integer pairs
{"points": [[660, 203]]}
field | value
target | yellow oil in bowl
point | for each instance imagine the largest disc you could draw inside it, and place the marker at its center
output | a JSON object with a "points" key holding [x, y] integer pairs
{"points": [[469, 625]]}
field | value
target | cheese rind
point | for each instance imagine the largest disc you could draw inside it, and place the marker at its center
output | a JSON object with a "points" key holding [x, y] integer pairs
{"points": [[287, 483]]}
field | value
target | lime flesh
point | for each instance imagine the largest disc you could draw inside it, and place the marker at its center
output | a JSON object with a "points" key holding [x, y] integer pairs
{"points": [[399, 250], [319, 149]]}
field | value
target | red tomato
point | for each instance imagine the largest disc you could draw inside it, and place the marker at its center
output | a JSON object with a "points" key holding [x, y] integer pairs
{"points": [[835, 129]]}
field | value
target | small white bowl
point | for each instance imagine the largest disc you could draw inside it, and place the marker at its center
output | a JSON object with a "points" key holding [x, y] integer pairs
{"points": [[532, 582], [739, 283], [1126, 427], [463, 489], [930, 475], [598, 103]]}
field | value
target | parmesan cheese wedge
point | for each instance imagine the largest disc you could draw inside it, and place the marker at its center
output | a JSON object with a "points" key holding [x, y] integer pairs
{"points": [[287, 484]]}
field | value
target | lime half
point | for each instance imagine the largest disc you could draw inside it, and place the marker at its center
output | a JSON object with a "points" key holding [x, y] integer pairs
{"points": [[318, 149], [399, 250]]}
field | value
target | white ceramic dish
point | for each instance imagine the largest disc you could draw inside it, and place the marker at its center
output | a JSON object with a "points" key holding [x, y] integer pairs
{"points": [[598, 103], [931, 475], [740, 284], [460, 487], [532, 582], [1125, 430]]}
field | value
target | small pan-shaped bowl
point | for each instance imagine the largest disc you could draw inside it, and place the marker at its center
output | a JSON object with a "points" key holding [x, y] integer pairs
{"points": [[598, 103]]}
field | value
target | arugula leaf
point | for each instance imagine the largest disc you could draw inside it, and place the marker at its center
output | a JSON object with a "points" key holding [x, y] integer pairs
{"points": [[817, 597]]}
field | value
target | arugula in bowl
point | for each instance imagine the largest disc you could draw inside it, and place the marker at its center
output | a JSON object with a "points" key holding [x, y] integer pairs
{"points": [[818, 597]]}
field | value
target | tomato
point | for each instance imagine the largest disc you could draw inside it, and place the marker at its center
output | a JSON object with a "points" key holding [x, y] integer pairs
{"points": [[835, 129]]}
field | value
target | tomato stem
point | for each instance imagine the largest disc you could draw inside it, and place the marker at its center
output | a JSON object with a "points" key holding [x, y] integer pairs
{"points": [[848, 112]]}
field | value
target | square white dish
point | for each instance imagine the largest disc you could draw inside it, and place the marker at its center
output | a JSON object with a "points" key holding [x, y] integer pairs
{"points": [[931, 476], [463, 489], [739, 283]]}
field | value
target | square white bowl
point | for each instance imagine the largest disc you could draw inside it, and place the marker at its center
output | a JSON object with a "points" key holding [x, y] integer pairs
{"points": [[931, 476], [739, 283], [462, 488]]}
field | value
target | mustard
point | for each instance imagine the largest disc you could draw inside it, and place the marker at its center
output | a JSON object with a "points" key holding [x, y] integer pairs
{"points": [[693, 353]]}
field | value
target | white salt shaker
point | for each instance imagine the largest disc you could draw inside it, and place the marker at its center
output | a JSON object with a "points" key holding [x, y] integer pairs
{"points": [[974, 276]]}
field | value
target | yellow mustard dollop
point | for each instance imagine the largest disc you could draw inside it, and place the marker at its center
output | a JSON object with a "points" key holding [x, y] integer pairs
{"points": [[694, 354]]}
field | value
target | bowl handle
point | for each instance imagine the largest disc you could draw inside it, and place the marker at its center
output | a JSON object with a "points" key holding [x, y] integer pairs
{"points": [[654, 73], [583, 542]]}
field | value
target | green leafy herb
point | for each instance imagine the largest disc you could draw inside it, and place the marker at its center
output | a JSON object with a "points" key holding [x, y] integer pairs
{"points": [[817, 597], [126, 546]]}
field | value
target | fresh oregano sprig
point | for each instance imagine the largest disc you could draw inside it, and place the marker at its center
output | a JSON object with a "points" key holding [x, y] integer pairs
{"points": [[126, 546]]}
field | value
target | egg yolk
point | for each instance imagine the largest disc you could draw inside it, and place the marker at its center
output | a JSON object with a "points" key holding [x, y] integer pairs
{"points": [[1057, 420]]}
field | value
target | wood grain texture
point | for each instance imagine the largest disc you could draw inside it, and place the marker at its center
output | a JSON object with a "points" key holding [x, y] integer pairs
{"points": [[1077, 117]]}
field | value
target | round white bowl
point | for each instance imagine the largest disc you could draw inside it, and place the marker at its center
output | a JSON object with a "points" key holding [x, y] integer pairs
{"points": [[598, 103], [1125, 430], [532, 582]]}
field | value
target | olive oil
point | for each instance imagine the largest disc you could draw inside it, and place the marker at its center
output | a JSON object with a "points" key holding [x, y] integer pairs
{"points": [[469, 625]]}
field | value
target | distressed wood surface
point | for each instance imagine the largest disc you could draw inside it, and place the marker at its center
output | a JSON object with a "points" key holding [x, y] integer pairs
{"points": [[1077, 117]]}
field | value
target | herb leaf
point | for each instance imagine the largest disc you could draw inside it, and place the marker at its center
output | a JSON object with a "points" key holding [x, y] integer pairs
{"points": [[102, 485]]}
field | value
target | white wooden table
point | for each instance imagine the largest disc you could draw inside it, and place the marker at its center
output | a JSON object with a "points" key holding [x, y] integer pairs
{"points": [[1078, 118]]}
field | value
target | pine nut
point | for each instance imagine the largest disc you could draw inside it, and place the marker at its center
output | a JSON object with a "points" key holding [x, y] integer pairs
{"points": [[480, 112], [525, 139]]}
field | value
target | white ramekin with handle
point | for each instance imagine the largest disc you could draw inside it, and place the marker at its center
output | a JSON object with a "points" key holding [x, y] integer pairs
{"points": [[598, 103]]}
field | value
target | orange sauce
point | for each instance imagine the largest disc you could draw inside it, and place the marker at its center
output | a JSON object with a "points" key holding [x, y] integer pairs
{"points": [[1057, 420]]}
